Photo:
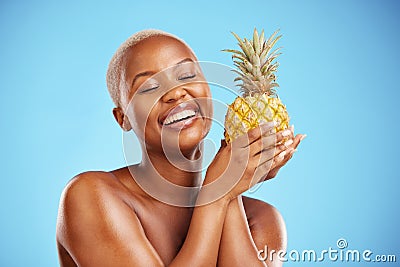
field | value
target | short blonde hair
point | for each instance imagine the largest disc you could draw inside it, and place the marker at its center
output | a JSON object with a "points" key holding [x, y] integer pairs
{"points": [[115, 72]]}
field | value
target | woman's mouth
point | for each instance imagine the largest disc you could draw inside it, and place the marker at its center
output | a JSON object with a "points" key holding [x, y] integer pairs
{"points": [[181, 116]]}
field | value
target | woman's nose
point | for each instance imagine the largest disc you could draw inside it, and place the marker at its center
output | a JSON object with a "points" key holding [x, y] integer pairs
{"points": [[174, 94]]}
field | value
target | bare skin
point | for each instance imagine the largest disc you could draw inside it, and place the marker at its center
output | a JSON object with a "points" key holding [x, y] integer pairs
{"points": [[106, 219]]}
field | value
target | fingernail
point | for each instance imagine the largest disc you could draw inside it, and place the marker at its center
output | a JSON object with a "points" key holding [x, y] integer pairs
{"points": [[292, 127], [288, 143], [286, 133], [302, 137], [282, 155]]}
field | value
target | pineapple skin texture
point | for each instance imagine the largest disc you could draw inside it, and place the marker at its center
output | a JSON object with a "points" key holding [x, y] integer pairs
{"points": [[246, 113]]}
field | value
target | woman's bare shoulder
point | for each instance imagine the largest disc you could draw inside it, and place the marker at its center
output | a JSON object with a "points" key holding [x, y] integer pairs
{"points": [[266, 223], [90, 178], [257, 207], [94, 216], [87, 185], [92, 183], [88, 189]]}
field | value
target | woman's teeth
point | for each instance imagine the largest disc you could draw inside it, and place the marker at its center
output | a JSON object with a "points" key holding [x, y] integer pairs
{"points": [[184, 114]]}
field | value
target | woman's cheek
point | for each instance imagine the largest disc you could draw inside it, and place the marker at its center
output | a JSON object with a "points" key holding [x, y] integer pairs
{"points": [[138, 115]]}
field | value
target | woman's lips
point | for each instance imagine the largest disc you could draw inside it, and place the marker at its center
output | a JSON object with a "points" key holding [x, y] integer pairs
{"points": [[180, 116], [182, 124]]}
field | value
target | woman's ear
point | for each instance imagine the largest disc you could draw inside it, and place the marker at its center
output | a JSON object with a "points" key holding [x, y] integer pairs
{"points": [[121, 119]]}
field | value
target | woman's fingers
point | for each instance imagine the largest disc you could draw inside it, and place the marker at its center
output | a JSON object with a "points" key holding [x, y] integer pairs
{"points": [[264, 130], [290, 143], [285, 134], [264, 143], [273, 143], [277, 164], [298, 139], [285, 152], [281, 155], [266, 155], [253, 135], [271, 164], [268, 140], [262, 171]]}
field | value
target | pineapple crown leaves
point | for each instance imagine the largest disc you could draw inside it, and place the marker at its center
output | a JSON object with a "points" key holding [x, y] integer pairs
{"points": [[256, 63]]}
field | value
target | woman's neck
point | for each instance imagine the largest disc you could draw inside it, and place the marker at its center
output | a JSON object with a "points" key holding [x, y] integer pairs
{"points": [[179, 169], [164, 181]]}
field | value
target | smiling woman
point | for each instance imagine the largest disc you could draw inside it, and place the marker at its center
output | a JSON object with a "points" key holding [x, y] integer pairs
{"points": [[107, 219]]}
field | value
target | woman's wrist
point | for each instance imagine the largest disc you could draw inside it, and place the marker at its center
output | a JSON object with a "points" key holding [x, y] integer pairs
{"points": [[213, 196]]}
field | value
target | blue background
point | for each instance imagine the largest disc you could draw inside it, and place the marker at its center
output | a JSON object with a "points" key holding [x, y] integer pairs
{"points": [[339, 79]]}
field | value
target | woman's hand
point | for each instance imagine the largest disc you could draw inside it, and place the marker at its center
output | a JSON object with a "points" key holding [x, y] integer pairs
{"points": [[284, 152], [251, 158], [244, 162]]}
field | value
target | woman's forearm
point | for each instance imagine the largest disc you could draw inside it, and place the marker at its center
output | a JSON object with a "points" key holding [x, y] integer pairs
{"points": [[202, 242], [237, 247]]}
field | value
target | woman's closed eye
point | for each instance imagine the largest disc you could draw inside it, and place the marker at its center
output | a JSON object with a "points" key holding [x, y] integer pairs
{"points": [[186, 76], [149, 88]]}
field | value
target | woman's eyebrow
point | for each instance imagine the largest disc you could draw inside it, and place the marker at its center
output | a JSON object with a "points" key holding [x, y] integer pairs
{"points": [[142, 74], [184, 60]]}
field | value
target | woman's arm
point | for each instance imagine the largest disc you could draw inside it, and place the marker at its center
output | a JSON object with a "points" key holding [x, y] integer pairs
{"points": [[238, 161], [233, 238], [251, 224], [248, 228], [237, 246]]}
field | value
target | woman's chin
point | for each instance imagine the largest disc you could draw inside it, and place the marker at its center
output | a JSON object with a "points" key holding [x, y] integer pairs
{"points": [[190, 145], [186, 142]]}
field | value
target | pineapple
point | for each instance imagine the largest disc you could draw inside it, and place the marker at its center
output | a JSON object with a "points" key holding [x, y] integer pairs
{"points": [[259, 103]]}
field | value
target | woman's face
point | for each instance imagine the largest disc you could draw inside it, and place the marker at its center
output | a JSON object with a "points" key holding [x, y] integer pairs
{"points": [[168, 100]]}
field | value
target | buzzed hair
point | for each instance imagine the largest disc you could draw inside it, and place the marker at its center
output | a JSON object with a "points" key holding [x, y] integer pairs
{"points": [[115, 72]]}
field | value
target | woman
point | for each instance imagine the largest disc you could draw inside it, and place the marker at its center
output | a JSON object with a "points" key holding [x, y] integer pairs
{"points": [[161, 212]]}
